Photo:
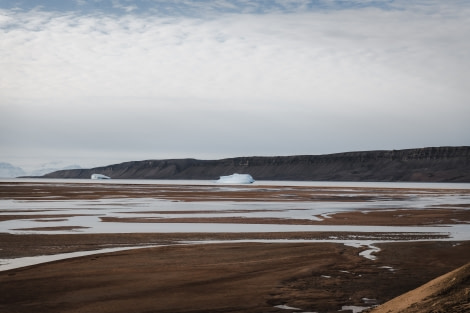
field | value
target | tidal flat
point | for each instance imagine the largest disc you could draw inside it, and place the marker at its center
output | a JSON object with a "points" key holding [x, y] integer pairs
{"points": [[188, 247]]}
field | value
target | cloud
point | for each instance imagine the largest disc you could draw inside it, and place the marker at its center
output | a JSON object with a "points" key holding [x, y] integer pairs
{"points": [[246, 54], [306, 81], [127, 8]]}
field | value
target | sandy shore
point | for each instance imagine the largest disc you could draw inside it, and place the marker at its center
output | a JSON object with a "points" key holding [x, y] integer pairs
{"points": [[230, 276]]}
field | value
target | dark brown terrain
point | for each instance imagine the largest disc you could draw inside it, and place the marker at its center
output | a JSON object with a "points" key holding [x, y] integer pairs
{"points": [[185, 274], [229, 277], [435, 164]]}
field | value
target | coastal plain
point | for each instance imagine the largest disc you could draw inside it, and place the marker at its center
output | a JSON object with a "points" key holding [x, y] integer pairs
{"points": [[226, 248]]}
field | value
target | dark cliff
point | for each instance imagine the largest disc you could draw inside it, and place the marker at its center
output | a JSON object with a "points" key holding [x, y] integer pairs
{"points": [[437, 164]]}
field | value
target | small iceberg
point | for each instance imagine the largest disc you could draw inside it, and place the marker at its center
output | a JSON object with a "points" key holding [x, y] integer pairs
{"points": [[236, 179], [99, 176]]}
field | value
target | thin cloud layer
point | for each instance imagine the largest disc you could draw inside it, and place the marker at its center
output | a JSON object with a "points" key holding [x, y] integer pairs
{"points": [[193, 8], [292, 78]]}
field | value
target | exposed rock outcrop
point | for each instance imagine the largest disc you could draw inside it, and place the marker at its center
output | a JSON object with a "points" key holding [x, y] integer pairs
{"points": [[435, 164], [447, 293]]}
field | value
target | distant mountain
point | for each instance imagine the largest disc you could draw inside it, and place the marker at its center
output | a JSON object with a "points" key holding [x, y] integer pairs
{"points": [[7, 170], [51, 167], [435, 164]]}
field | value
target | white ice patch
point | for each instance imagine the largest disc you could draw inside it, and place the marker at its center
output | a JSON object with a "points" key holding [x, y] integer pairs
{"points": [[236, 179]]}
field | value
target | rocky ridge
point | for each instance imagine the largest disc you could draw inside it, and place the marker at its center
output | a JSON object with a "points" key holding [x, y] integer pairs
{"points": [[433, 164]]}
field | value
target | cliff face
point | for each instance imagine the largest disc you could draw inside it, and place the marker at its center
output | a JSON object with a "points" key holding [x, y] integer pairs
{"points": [[439, 164]]}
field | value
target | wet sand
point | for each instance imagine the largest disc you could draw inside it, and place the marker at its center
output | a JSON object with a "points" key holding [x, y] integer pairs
{"points": [[230, 276]]}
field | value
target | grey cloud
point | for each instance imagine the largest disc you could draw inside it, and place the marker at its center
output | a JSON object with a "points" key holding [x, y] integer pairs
{"points": [[298, 83]]}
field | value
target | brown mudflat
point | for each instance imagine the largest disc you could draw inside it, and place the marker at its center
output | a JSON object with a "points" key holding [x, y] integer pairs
{"points": [[232, 276], [83, 191], [397, 217]]}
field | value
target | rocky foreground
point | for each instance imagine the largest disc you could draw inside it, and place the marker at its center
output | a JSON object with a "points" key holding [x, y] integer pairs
{"points": [[447, 293], [435, 164]]}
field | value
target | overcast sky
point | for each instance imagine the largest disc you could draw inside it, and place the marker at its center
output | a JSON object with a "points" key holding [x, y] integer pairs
{"points": [[104, 81]]}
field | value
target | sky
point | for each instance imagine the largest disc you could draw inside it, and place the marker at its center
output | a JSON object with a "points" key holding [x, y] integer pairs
{"points": [[99, 82]]}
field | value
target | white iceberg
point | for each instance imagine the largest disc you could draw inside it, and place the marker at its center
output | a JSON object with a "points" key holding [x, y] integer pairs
{"points": [[99, 176], [236, 179]]}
